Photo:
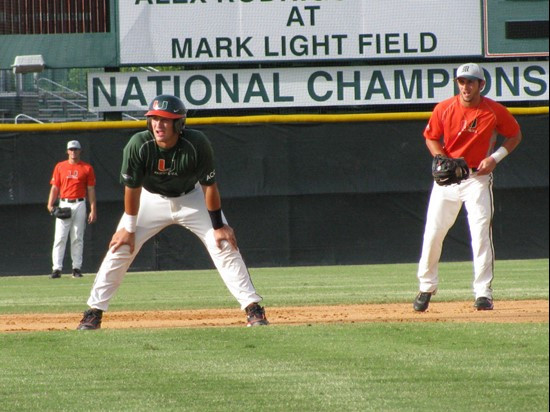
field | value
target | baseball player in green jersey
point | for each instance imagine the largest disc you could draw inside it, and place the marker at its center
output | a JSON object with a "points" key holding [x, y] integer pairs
{"points": [[170, 179]]}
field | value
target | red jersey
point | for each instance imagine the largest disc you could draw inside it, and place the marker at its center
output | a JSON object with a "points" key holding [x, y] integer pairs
{"points": [[73, 179], [470, 132]]}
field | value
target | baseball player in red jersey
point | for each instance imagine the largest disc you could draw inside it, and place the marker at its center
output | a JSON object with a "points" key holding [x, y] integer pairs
{"points": [[467, 126], [170, 179], [72, 182]]}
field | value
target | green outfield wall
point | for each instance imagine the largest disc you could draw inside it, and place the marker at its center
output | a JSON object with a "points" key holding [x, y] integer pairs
{"points": [[350, 190]]}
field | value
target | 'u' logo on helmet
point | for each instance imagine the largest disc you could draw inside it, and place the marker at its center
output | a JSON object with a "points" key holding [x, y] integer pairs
{"points": [[162, 106]]}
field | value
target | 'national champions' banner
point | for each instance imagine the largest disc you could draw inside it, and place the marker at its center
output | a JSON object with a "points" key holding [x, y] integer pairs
{"points": [[311, 86], [174, 32]]}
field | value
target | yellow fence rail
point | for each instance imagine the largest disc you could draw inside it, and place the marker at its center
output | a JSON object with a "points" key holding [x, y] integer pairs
{"points": [[276, 118]]}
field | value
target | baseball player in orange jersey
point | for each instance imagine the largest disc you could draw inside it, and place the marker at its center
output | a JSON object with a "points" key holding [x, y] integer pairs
{"points": [[170, 179], [466, 125], [72, 182]]}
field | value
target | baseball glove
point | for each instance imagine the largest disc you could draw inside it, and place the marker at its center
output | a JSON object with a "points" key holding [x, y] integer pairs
{"points": [[447, 170], [61, 212]]}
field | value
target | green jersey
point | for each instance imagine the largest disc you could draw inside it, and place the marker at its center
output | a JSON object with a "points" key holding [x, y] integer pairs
{"points": [[168, 172]]}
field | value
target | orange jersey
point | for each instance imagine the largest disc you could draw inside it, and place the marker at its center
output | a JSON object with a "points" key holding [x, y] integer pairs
{"points": [[73, 179], [470, 132]]}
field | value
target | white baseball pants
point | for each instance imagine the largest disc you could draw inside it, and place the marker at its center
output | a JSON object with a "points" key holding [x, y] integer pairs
{"points": [[75, 227], [476, 193], [156, 213]]}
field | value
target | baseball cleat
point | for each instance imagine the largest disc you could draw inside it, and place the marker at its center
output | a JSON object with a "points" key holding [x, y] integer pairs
{"points": [[255, 315], [56, 274], [91, 320], [484, 303], [422, 301], [77, 273]]}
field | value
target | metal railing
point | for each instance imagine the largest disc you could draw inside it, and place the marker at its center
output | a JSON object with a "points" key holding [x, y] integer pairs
{"points": [[66, 90], [46, 80], [126, 115], [64, 100], [20, 115]]}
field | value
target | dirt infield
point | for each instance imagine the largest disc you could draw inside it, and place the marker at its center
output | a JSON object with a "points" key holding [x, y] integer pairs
{"points": [[528, 311]]}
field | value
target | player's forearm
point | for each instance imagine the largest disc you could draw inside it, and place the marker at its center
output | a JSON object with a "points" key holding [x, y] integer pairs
{"points": [[214, 205], [435, 147], [54, 192], [92, 197], [212, 197], [512, 143], [131, 200]]}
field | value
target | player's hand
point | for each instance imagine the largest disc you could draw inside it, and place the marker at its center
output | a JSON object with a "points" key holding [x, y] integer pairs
{"points": [[92, 217], [486, 166], [225, 233], [122, 237]]}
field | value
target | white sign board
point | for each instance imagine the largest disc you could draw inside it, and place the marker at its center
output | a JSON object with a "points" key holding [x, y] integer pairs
{"points": [[175, 32], [311, 86]]}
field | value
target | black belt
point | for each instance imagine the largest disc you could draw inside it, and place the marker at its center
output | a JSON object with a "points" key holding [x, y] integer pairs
{"points": [[73, 200]]}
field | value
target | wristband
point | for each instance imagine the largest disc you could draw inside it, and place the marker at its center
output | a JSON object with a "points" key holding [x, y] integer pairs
{"points": [[129, 222], [216, 218], [500, 154]]}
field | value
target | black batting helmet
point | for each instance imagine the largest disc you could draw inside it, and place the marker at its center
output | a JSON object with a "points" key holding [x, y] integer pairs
{"points": [[170, 107]]}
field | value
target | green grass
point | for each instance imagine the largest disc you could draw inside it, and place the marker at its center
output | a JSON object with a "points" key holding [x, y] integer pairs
{"points": [[360, 367], [294, 286], [348, 367]]}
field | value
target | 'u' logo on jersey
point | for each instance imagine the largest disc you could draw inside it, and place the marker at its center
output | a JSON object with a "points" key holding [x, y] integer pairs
{"points": [[162, 166]]}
